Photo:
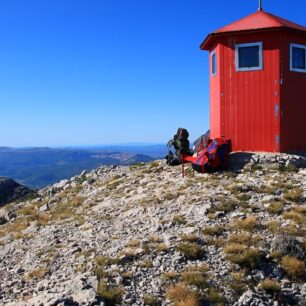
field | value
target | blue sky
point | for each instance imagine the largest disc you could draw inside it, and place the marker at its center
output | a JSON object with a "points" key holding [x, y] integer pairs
{"points": [[80, 72]]}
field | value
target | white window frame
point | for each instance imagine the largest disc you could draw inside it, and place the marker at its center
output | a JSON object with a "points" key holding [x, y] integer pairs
{"points": [[291, 63], [257, 44], [214, 53]]}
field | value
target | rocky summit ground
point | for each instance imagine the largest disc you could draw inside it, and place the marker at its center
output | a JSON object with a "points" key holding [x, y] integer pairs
{"points": [[143, 235]]}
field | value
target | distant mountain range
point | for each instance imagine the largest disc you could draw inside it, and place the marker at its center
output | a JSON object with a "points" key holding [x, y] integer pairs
{"points": [[39, 167]]}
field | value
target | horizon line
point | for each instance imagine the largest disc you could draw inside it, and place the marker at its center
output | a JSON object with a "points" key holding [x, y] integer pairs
{"points": [[128, 144]]}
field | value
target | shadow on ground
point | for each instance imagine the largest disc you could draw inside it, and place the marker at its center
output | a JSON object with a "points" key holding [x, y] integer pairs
{"points": [[238, 160]]}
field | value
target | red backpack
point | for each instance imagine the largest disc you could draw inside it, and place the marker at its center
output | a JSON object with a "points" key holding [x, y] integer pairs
{"points": [[214, 157]]}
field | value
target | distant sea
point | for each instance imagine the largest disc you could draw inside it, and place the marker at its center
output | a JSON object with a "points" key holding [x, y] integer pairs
{"points": [[42, 166]]}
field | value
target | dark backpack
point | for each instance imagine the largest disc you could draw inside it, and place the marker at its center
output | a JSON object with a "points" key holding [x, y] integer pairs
{"points": [[180, 143], [214, 157], [202, 142]]}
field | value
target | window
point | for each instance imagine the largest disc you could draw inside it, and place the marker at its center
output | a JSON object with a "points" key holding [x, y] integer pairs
{"points": [[213, 63], [248, 57], [297, 58]]}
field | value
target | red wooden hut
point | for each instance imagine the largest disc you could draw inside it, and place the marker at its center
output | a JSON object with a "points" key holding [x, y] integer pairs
{"points": [[258, 83]]}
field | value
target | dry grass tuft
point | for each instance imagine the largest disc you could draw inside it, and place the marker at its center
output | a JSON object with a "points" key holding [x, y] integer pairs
{"points": [[62, 212], [38, 273], [104, 261], [114, 183], [150, 247], [147, 263], [243, 255], [170, 275], [244, 197], [20, 235], [27, 210], [14, 228], [295, 216], [150, 300], [270, 286], [134, 243], [247, 224], [216, 241], [190, 238], [80, 268], [294, 195], [128, 252], [275, 207], [77, 201], [273, 226], [181, 295], [227, 205], [153, 164], [234, 189], [169, 196], [194, 278], [238, 283], [111, 294], [216, 230], [155, 238], [179, 220], [245, 238], [215, 297], [190, 250], [43, 219], [293, 266], [160, 247], [291, 229]]}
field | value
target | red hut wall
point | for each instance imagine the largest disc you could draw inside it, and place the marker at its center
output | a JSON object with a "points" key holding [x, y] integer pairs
{"points": [[249, 100], [215, 106], [293, 97]]}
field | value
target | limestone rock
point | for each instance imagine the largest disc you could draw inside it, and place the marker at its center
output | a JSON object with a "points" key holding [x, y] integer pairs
{"points": [[132, 232]]}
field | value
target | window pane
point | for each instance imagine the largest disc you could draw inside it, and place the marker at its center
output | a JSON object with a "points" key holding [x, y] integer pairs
{"points": [[248, 57], [298, 58], [213, 64]]}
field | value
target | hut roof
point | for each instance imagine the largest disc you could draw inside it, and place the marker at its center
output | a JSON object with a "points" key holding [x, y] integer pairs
{"points": [[255, 22]]}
